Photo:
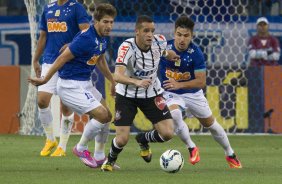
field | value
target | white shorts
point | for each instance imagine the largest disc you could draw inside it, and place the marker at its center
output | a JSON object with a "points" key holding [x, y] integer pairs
{"points": [[51, 85], [80, 96], [195, 104]]}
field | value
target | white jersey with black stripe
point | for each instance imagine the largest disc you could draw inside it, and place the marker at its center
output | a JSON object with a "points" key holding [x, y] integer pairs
{"points": [[141, 65]]}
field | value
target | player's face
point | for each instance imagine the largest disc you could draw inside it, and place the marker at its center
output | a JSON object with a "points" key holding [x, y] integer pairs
{"points": [[105, 25], [182, 38], [262, 27], [145, 34]]}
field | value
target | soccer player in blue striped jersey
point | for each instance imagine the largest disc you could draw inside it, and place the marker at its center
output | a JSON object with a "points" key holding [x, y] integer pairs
{"points": [[183, 82], [75, 65], [60, 22]]}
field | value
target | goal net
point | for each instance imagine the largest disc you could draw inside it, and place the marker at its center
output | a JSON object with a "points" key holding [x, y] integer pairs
{"points": [[220, 31]]}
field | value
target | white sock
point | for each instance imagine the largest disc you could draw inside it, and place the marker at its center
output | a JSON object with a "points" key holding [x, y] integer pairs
{"points": [[66, 125], [46, 119], [92, 128], [220, 136], [181, 128], [100, 140]]}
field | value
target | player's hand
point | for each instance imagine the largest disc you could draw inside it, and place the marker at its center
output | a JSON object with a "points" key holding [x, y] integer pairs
{"points": [[144, 83], [171, 84], [36, 81], [172, 56], [37, 69]]}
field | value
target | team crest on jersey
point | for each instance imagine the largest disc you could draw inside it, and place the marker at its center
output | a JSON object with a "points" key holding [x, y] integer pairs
{"points": [[160, 102], [57, 13], [117, 115], [93, 60], [190, 51]]}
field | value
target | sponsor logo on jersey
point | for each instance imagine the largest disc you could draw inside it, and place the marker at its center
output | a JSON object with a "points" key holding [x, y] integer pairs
{"points": [[57, 27], [49, 12], [121, 53], [57, 13], [142, 73], [93, 60], [160, 102], [72, 3], [176, 75]]}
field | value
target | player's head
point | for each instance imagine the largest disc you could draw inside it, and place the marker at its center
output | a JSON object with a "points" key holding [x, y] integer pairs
{"points": [[262, 26], [144, 30], [104, 16], [183, 32]]}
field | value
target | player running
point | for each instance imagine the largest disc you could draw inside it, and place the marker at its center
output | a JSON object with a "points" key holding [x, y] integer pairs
{"points": [[183, 82], [74, 86]]}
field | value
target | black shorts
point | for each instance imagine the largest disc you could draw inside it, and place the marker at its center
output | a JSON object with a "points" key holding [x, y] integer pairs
{"points": [[155, 109]]}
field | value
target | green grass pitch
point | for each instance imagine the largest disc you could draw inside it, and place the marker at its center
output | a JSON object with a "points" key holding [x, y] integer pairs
{"points": [[260, 155]]}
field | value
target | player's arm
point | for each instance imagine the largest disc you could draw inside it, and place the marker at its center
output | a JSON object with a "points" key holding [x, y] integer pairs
{"points": [[199, 82], [59, 62], [254, 51], [39, 50], [83, 26], [121, 77], [104, 68], [275, 55]]}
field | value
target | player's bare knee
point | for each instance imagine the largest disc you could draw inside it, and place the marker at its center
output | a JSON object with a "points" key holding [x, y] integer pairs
{"points": [[121, 140], [167, 134], [43, 103]]}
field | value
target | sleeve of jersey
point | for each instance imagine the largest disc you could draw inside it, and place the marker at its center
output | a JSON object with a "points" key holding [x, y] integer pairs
{"points": [[43, 23], [251, 44], [81, 14], [79, 45], [200, 63], [276, 46], [124, 54], [161, 41]]}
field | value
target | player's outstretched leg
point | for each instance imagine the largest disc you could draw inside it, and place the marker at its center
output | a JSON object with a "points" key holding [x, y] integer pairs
{"points": [[182, 131], [220, 136]]}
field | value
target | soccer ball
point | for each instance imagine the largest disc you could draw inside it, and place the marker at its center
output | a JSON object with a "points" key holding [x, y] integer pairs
{"points": [[171, 161]]}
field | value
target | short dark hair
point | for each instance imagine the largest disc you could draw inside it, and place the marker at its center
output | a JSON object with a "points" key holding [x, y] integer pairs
{"points": [[184, 22], [141, 19], [104, 9]]}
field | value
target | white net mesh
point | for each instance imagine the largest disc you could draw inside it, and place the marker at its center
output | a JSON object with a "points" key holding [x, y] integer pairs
{"points": [[29, 121]]}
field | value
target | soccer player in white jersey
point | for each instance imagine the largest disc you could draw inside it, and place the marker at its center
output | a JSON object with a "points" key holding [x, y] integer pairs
{"points": [[74, 87], [60, 22], [183, 82], [138, 87]]}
